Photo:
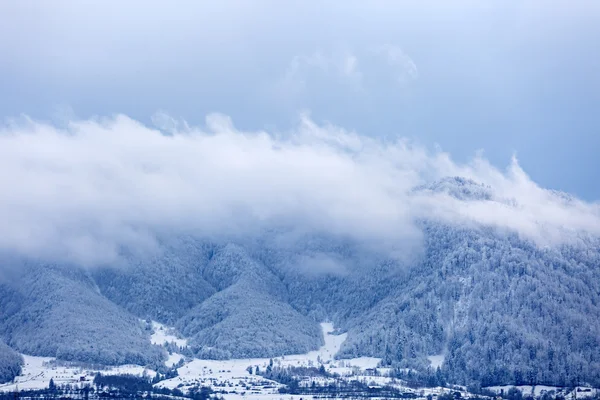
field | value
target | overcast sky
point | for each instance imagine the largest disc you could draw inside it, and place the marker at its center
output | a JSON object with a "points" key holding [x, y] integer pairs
{"points": [[503, 76], [318, 114]]}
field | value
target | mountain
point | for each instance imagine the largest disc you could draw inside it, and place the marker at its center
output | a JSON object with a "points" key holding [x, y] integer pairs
{"points": [[250, 316], [501, 310], [63, 303], [459, 188], [161, 287], [498, 307]]}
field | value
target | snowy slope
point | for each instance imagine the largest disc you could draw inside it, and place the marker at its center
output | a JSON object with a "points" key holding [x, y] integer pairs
{"points": [[163, 334]]}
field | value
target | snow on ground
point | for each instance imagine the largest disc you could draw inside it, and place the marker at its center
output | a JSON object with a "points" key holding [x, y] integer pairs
{"points": [[326, 353], [436, 361], [361, 362], [127, 369], [173, 359], [263, 396], [233, 373], [537, 390], [228, 376], [37, 372], [526, 389], [164, 334], [233, 376]]}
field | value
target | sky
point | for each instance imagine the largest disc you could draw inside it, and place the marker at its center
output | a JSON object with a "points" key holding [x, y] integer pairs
{"points": [[508, 77], [123, 118]]}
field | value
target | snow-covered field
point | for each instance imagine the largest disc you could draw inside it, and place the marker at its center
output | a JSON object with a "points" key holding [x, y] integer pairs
{"points": [[37, 372], [233, 377], [540, 389]]}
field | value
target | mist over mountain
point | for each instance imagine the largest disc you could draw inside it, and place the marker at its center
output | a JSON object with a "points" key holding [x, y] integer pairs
{"points": [[246, 241]]}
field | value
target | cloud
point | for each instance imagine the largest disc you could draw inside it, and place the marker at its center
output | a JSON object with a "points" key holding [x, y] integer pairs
{"points": [[403, 67], [321, 263], [309, 71], [85, 192], [350, 74]]}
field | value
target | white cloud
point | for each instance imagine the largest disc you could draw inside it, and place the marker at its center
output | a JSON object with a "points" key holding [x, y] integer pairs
{"points": [[403, 67], [83, 192], [343, 65], [323, 71], [306, 70]]}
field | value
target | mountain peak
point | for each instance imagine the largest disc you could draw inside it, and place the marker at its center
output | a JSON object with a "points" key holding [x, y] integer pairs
{"points": [[458, 187]]}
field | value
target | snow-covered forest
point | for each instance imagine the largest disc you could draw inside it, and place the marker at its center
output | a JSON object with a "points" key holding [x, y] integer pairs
{"points": [[10, 363], [57, 311]]}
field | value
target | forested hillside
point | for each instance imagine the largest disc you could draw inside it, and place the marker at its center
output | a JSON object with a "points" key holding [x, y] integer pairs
{"points": [[10, 363], [249, 316], [162, 287], [58, 312], [501, 310]]}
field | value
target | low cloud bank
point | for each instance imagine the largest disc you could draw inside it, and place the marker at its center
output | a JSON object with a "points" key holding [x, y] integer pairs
{"points": [[85, 192]]}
